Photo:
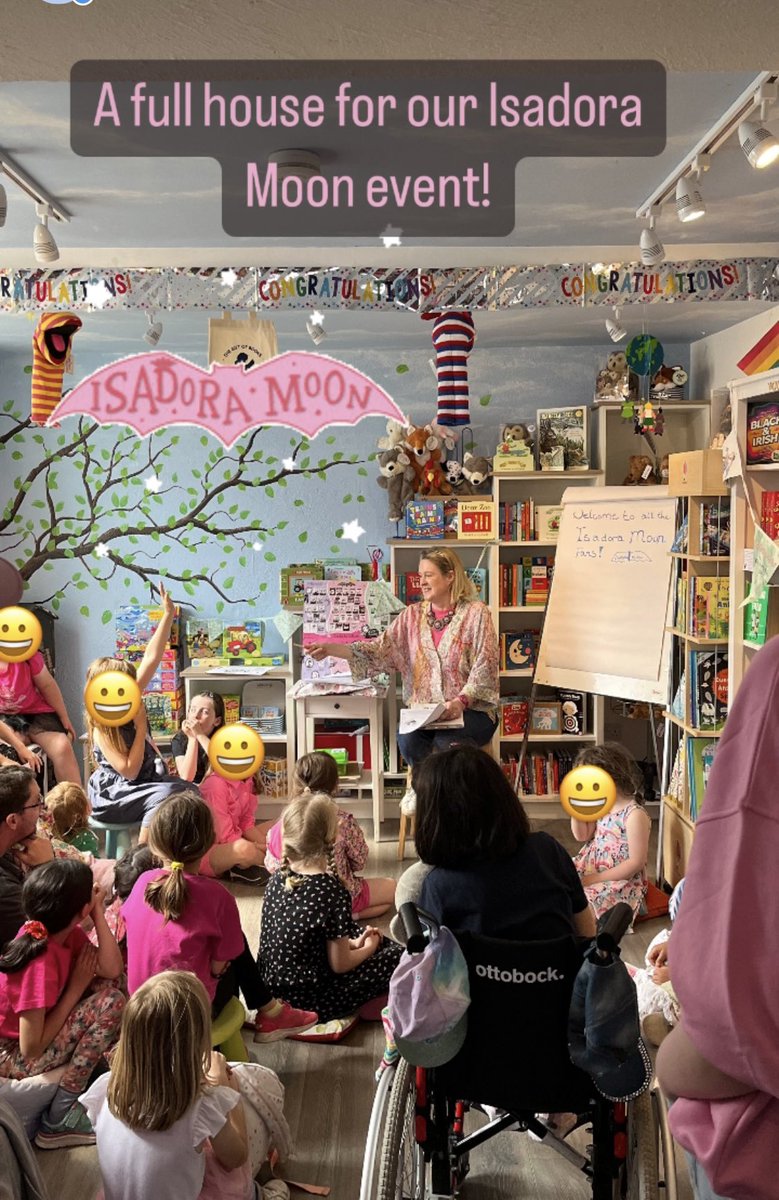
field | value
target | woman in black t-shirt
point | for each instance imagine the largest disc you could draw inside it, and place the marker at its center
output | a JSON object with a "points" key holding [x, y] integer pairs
{"points": [[490, 874], [206, 713]]}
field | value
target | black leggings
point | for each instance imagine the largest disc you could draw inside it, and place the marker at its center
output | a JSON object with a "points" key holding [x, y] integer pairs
{"points": [[243, 975]]}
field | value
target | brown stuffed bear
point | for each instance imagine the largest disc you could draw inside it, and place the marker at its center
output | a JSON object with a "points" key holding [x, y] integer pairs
{"points": [[397, 479], [641, 471]]}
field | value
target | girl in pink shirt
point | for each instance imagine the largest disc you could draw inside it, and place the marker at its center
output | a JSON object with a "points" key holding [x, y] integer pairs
{"points": [[318, 772], [30, 696], [240, 844], [179, 920], [46, 1020]]}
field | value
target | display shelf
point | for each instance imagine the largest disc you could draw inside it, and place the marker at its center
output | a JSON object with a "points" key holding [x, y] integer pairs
{"points": [[759, 468], [508, 542], [569, 476], [523, 608], [535, 738], [691, 730], [422, 544], [527, 673], [688, 637], [701, 558]]}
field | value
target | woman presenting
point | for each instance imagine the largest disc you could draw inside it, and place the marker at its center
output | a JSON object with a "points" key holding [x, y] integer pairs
{"points": [[446, 651]]}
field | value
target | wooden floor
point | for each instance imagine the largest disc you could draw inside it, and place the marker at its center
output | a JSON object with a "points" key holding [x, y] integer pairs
{"points": [[329, 1091]]}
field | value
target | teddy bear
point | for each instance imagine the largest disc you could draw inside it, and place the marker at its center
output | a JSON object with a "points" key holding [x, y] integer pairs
{"points": [[477, 471], [395, 433], [664, 469], [516, 433], [422, 446], [455, 477], [641, 471], [397, 479]]}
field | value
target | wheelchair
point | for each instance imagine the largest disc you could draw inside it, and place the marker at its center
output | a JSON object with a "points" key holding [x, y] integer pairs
{"points": [[513, 1065]]}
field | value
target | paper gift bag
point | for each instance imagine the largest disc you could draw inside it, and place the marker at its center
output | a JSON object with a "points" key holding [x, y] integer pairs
{"points": [[241, 342]]}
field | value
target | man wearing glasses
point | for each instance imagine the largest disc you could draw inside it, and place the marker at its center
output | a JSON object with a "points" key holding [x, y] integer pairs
{"points": [[20, 806]]}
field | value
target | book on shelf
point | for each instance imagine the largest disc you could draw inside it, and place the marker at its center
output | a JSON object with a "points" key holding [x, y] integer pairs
{"points": [[573, 711], [548, 518], [513, 715], [680, 603], [540, 773], [708, 674], [756, 619], [678, 775], [526, 521], [714, 527], [769, 514], [677, 704], [424, 519], [700, 756], [679, 544], [709, 606], [518, 650]]}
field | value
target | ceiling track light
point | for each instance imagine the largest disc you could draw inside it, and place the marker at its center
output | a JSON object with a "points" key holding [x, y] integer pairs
{"points": [[652, 249], [14, 174], [745, 117], [614, 327], [316, 330], [44, 246]]}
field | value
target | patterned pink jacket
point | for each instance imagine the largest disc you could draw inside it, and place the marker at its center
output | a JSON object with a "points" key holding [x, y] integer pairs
{"points": [[465, 663]]}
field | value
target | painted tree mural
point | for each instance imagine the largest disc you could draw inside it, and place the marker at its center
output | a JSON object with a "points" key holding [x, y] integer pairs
{"points": [[117, 505]]}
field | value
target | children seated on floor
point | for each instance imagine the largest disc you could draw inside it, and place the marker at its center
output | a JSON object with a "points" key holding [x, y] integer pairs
{"points": [[312, 952], [51, 1011], [206, 713], [240, 844], [612, 863], [658, 1006], [318, 772], [176, 918], [173, 1125], [14, 752]]}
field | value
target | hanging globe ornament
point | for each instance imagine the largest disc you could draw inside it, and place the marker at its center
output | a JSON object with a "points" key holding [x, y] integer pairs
{"points": [[644, 354]]}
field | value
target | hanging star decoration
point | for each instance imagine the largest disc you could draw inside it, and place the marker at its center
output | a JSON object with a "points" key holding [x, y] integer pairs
{"points": [[288, 464], [153, 483], [228, 277], [98, 294], [101, 550], [352, 531]]}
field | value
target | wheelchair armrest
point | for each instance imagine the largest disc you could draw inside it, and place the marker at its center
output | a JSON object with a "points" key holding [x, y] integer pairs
{"points": [[415, 933], [612, 927]]}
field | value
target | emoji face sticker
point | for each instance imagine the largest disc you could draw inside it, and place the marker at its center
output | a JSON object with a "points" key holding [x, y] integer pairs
{"points": [[112, 698], [20, 634], [587, 793], [236, 751]]}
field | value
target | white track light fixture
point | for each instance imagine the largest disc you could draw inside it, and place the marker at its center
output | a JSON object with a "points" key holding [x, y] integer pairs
{"points": [[614, 327], [689, 201], [758, 143], [153, 331], [652, 249], [315, 325], [44, 247]]}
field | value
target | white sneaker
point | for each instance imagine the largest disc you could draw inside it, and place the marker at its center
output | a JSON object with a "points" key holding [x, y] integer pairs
{"points": [[275, 1189], [408, 804]]}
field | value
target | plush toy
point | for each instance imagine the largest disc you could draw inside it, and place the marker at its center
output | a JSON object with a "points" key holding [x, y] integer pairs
{"points": [[434, 482], [453, 339], [664, 469], [394, 435], [445, 439], [422, 446], [641, 471], [516, 433], [50, 346], [659, 422], [455, 477], [397, 479], [477, 471]]}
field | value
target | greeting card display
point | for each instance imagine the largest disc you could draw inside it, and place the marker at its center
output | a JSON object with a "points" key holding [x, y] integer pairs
{"points": [[333, 611]]}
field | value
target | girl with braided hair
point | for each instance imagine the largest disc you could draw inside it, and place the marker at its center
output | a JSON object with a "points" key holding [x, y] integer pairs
{"points": [[312, 952]]}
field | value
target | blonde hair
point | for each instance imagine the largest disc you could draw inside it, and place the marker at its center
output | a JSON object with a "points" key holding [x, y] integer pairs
{"points": [[68, 806], [158, 1068], [308, 832], [110, 734], [449, 563], [316, 772], [181, 831]]}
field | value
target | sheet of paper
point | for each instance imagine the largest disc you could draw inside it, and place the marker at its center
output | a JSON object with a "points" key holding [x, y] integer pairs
{"points": [[411, 719]]}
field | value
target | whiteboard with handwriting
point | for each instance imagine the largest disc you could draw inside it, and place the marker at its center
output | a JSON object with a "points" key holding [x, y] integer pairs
{"points": [[605, 626]]}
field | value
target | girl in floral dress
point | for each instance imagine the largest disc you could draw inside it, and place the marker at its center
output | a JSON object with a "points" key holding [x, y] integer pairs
{"points": [[612, 863]]}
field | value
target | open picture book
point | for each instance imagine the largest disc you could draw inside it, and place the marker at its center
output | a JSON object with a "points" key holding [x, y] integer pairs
{"points": [[426, 716]]}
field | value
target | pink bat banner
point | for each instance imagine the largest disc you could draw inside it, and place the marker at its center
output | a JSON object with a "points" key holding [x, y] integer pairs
{"points": [[299, 390]]}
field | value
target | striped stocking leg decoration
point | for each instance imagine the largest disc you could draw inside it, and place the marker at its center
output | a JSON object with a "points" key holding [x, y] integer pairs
{"points": [[453, 339], [50, 345]]}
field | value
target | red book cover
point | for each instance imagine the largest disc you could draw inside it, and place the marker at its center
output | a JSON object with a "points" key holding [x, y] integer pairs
{"points": [[769, 516], [513, 718]]}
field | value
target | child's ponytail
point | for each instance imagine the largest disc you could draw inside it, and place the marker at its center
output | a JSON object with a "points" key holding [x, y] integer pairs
{"points": [[181, 833], [52, 895]]}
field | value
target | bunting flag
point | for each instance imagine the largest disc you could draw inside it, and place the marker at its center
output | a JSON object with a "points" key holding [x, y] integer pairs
{"points": [[764, 355]]}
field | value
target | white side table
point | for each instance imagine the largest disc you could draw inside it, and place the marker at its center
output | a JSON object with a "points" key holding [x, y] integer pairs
{"points": [[310, 709]]}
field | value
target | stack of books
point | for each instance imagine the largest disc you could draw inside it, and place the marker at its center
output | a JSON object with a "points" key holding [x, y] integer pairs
{"points": [[526, 521], [709, 606], [540, 774], [526, 582]]}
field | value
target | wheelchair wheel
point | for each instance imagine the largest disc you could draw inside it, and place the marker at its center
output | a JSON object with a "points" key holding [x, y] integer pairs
{"points": [[666, 1144], [369, 1181], [401, 1165], [637, 1179]]}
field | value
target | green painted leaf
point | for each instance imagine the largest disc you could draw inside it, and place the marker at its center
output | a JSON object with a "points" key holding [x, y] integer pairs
{"points": [[485, 400], [303, 537], [107, 615], [269, 557], [401, 369], [228, 583], [84, 610], [220, 606]]}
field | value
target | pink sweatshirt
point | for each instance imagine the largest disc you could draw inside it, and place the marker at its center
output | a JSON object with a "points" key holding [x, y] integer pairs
{"points": [[233, 805]]}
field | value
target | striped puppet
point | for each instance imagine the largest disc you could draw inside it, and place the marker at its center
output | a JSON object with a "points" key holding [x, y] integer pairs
{"points": [[453, 339], [50, 346]]}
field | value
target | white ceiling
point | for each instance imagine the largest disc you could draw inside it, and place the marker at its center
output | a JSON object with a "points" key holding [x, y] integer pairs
{"points": [[153, 212]]}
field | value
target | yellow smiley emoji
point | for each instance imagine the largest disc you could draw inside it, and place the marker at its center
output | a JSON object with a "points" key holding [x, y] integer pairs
{"points": [[112, 698], [20, 634], [587, 793], [236, 751]]}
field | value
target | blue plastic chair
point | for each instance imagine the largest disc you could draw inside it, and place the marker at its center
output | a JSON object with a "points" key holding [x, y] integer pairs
{"points": [[113, 834]]}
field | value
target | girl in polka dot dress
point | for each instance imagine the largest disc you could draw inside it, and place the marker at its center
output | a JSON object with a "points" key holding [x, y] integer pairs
{"points": [[311, 949]]}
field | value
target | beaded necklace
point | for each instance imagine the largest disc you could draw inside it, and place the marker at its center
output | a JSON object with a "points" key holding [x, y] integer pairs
{"points": [[439, 623]]}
